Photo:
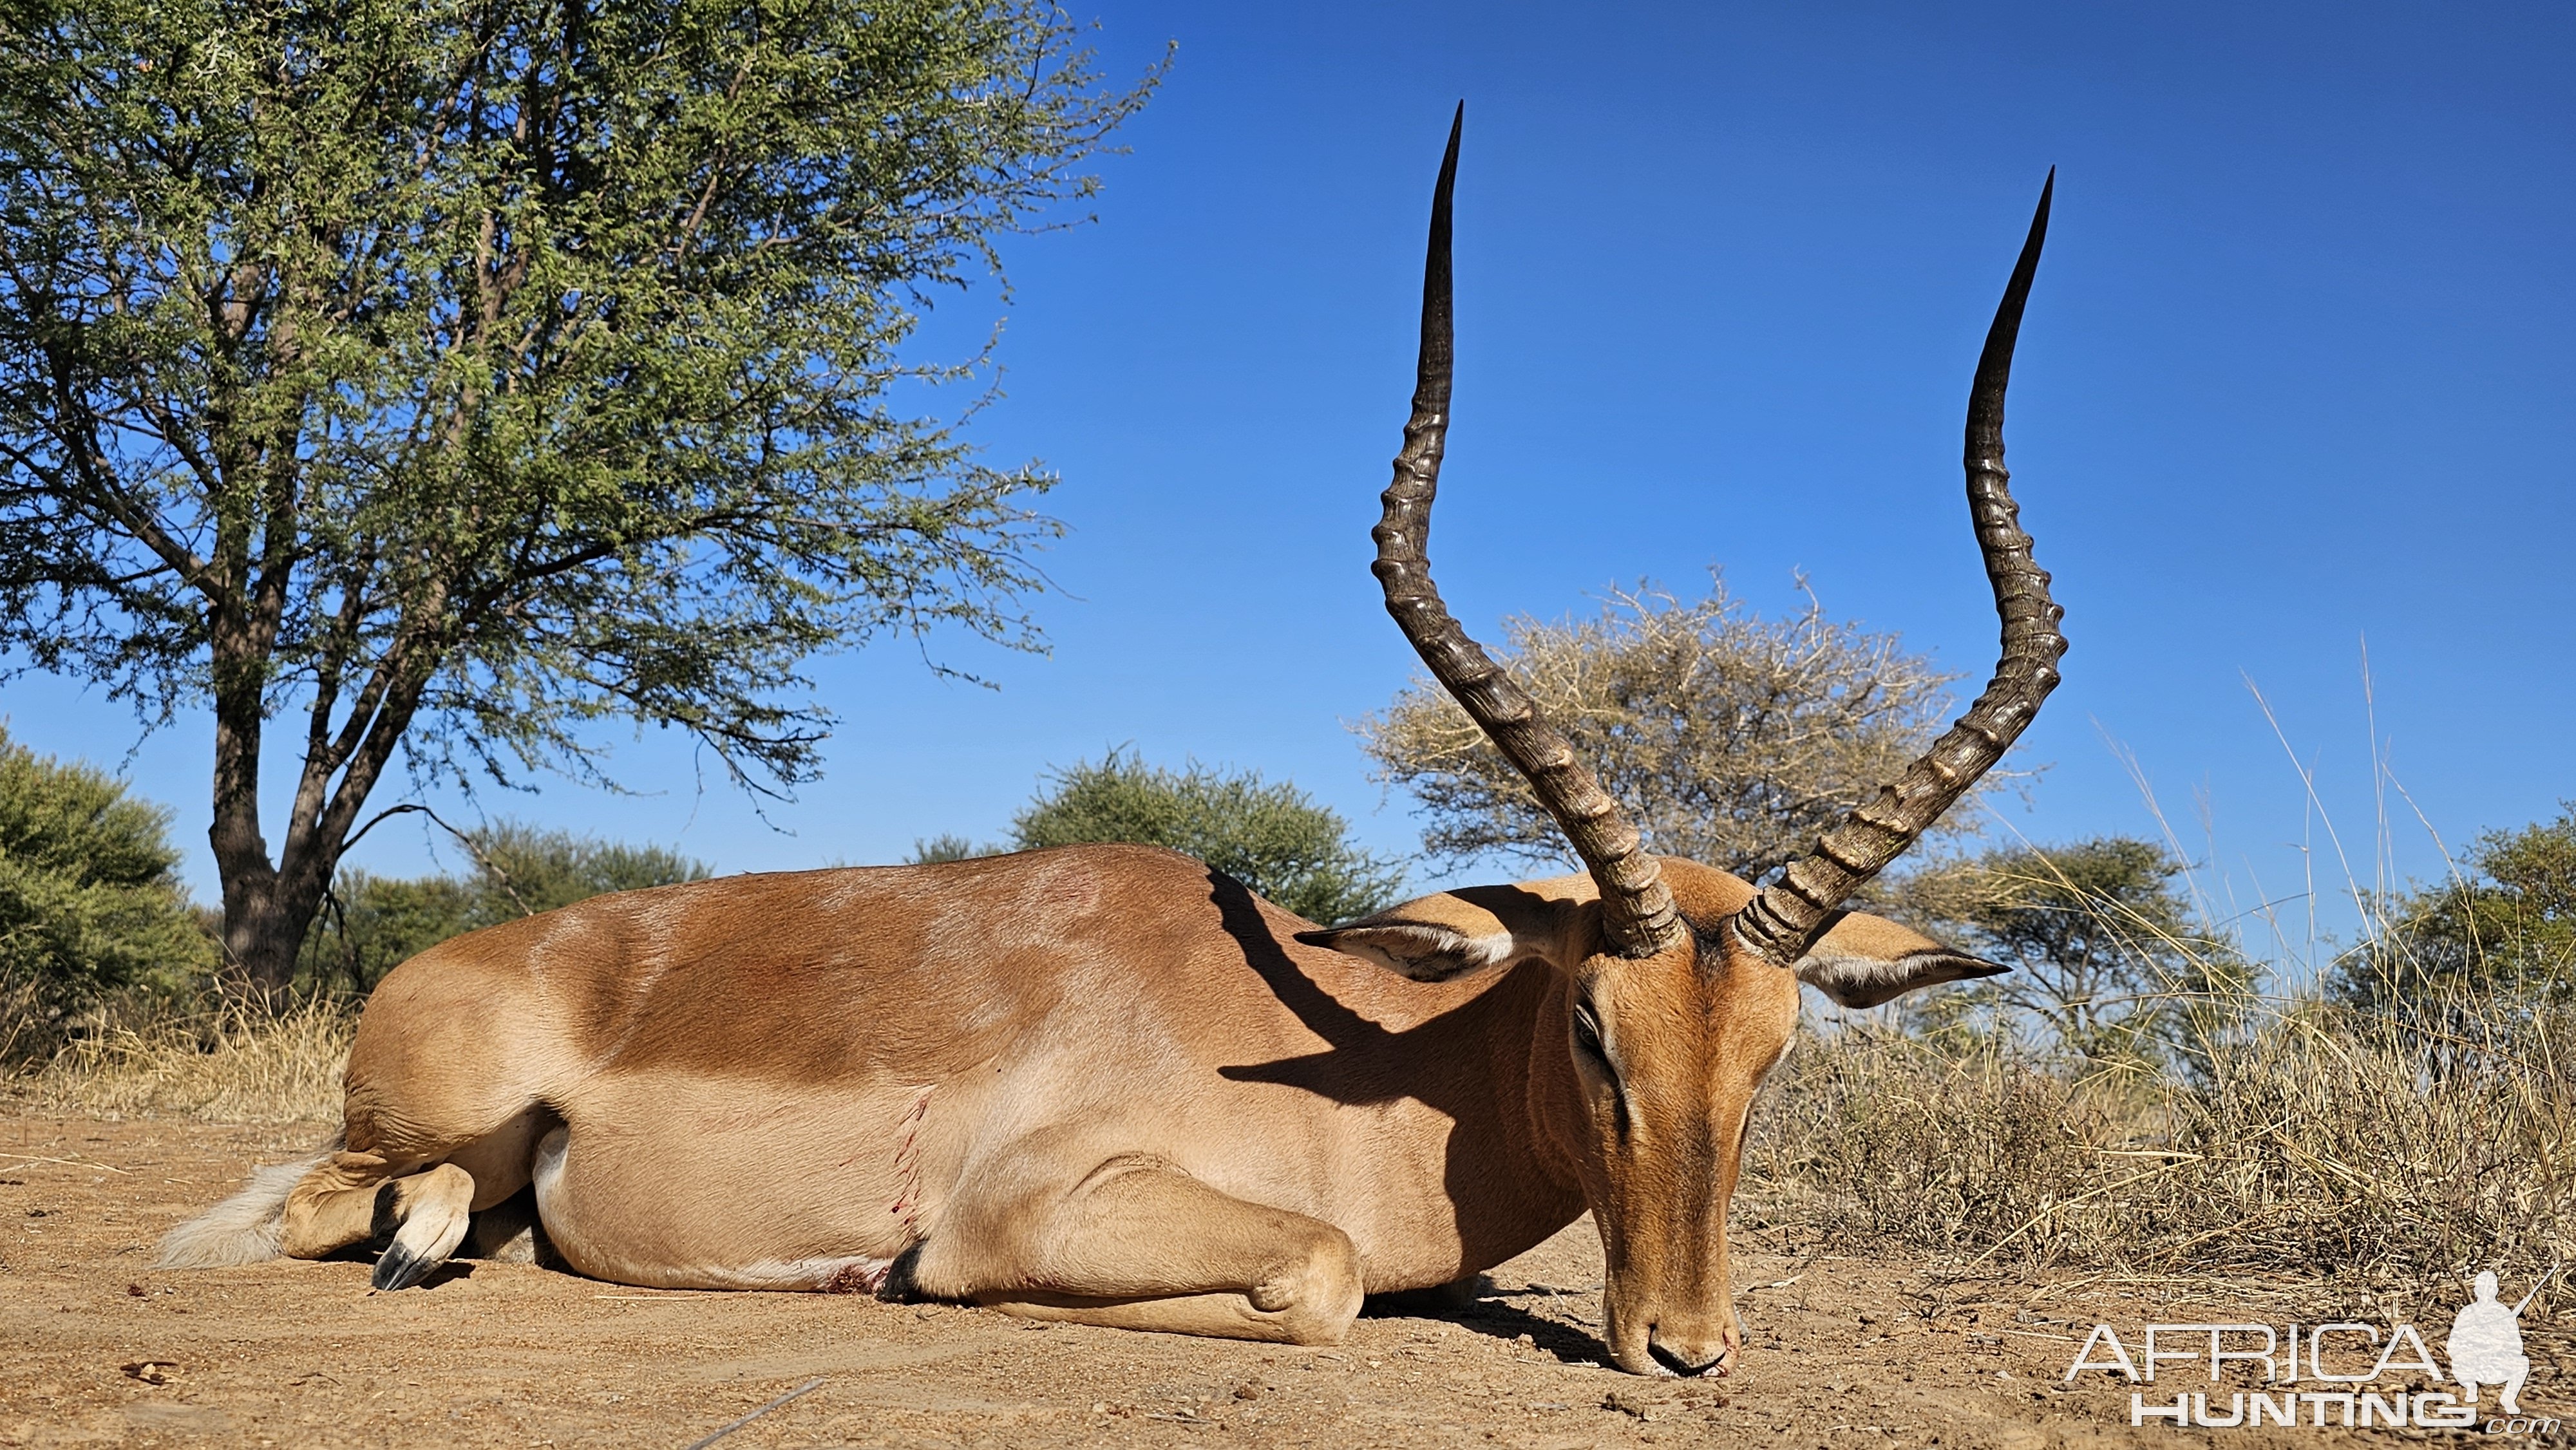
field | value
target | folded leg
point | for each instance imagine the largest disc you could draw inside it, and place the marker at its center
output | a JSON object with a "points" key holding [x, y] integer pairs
{"points": [[1139, 1244], [351, 1198]]}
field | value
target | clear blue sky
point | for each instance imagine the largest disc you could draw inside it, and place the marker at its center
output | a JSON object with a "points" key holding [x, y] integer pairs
{"points": [[2298, 371]]}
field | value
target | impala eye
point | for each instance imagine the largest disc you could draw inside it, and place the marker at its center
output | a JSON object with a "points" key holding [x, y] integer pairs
{"points": [[1587, 1033]]}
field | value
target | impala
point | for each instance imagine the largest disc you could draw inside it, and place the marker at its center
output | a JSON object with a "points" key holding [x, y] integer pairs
{"points": [[1108, 1084]]}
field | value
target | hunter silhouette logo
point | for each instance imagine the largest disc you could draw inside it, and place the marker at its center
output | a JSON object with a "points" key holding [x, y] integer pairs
{"points": [[2486, 1344], [2345, 1362]]}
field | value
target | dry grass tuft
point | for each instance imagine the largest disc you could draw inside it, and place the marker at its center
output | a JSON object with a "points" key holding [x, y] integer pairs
{"points": [[1880, 1138], [2332, 1137], [233, 1062], [2316, 1138]]}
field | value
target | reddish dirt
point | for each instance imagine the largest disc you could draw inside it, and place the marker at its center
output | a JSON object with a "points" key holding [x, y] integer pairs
{"points": [[94, 1347]]}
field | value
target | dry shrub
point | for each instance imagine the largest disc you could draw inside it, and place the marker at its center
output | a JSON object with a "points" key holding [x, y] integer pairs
{"points": [[2314, 1138], [232, 1062], [1732, 739], [1877, 1138]]}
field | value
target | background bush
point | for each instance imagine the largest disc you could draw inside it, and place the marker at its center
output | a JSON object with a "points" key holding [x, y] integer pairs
{"points": [[1272, 838], [1729, 738], [2505, 924], [371, 924], [90, 898], [2110, 962]]}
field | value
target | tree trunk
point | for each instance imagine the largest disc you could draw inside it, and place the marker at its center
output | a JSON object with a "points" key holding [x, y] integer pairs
{"points": [[268, 908], [267, 911], [263, 927], [261, 937]]}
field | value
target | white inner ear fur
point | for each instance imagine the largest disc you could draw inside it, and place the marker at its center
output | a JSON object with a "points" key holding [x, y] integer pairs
{"points": [[1491, 949], [1424, 951], [1863, 981], [1843, 977]]}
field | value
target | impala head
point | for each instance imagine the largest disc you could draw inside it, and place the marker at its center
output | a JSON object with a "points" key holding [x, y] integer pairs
{"points": [[1679, 982]]}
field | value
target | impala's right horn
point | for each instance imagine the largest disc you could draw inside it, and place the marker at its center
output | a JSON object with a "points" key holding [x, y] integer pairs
{"points": [[1784, 919], [1637, 908]]}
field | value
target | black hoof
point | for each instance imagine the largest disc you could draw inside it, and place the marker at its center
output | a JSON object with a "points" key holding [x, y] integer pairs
{"points": [[400, 1268]]}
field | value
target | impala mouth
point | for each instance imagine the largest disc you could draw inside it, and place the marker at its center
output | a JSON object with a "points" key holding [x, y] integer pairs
{"points": [[1683, 1362], [1679, 1367], [1648, 1341]]}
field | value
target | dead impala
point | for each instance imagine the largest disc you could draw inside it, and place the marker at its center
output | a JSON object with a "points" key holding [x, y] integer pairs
{"points": [[1107, 1084]]}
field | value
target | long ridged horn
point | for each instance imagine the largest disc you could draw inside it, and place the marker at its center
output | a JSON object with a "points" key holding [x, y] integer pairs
{"points": [[1786, 917], [1637, 909]]}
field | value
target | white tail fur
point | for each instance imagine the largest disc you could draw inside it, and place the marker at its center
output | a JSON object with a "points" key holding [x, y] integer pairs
{"points": [[243, 1229]]}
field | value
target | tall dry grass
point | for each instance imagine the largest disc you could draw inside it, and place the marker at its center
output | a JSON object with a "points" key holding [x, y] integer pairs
{"points": [[2402, 1135], [2316, 1141], [231, 1061]]}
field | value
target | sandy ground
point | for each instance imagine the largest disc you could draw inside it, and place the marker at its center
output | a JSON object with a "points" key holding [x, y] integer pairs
{"points": [[1843, 1351]]}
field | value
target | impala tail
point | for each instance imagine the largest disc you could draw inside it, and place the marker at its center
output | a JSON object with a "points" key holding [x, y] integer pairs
{"points": [[247, 1228]]}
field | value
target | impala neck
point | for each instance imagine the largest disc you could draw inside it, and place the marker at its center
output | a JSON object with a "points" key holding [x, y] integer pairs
{"points": [[1553, 1092], [1513, 1178]]}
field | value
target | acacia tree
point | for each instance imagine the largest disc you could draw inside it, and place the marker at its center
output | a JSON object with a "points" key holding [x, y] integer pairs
{"points": [[2507, 925], [2110, 961], [1730, 739], [455, 375]]}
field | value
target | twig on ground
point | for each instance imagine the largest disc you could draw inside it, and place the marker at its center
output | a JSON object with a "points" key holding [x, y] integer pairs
{"points": [[66, 1162], [806, 1388]]}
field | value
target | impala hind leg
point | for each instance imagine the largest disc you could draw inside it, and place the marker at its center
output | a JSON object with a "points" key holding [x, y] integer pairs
{"points": [[1138, 1244], [351, 1198], [423, 1201]]}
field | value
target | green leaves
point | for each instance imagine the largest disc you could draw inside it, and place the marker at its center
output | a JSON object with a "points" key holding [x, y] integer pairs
{"points": [[2508, 924], [551, 349], [464, 374], [89, 891]]}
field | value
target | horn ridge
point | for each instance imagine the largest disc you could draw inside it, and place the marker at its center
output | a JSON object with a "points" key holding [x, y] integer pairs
{"points": [[1637, 908], [1784, 919]]}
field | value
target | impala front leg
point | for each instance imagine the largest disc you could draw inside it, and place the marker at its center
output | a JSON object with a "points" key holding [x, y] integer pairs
{"points": [[1139, 1244]]}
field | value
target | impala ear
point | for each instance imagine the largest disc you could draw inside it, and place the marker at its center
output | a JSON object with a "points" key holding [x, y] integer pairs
{"points": [[1424, 951], [1452, 933], [1865, 960]]}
